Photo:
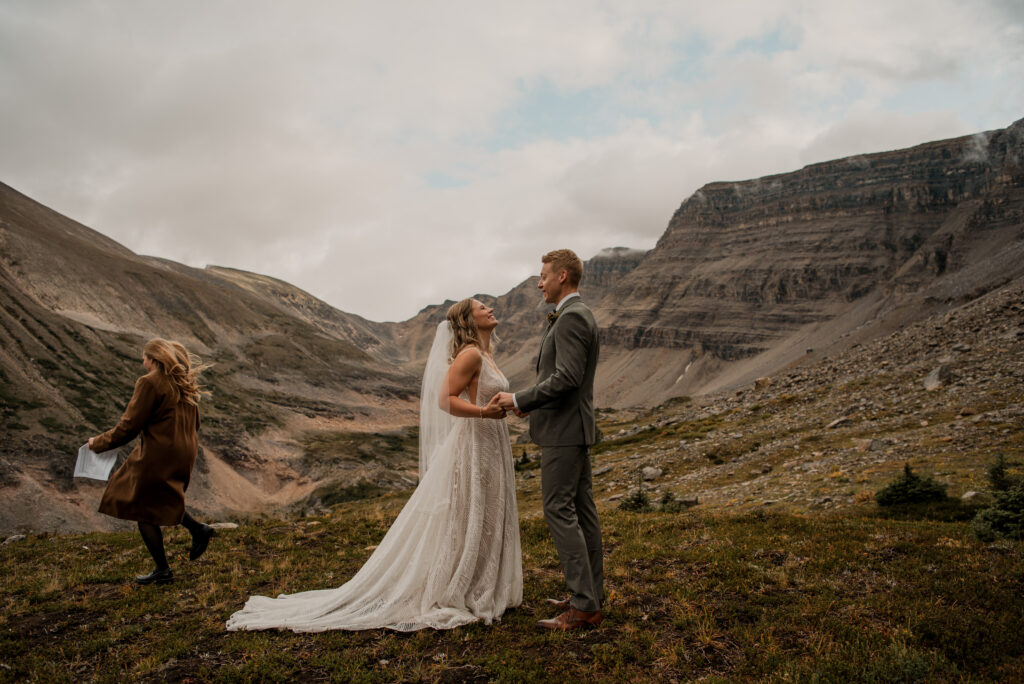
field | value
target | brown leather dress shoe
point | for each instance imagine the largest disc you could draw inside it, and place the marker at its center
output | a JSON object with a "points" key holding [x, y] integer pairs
{"points": [[562, 603], [573, 618]]}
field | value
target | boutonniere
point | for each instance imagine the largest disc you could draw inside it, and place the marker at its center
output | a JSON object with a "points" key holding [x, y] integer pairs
{"points": [[552, 317]]}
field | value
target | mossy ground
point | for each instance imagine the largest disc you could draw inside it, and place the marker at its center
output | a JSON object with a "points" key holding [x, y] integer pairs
{"points": [[785, 571], [694, 595]]}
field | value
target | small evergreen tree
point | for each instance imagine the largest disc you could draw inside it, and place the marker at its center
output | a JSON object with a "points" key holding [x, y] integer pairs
{"points": [[637, 501], [910, 488], [1005, 518], [1000, 480]]}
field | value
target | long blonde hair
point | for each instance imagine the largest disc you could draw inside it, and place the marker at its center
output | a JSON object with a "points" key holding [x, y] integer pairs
{"points": [[464, 330], [178, 366]]}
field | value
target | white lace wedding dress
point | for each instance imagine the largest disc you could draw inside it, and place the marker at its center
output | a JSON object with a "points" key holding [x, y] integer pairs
{"points": [[451, 557]]}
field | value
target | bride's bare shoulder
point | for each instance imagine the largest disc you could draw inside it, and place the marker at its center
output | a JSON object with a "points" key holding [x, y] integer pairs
{"points": [[474, 356]]}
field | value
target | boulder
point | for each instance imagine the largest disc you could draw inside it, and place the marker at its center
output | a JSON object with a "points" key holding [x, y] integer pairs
{"points": [[14, 538], [870, 444], [651, 473], [976, 498], [937, 378]]}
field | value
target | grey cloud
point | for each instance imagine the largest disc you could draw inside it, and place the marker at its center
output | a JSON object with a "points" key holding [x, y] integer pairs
{"points": [[878, 132], [977, 151], [294, 140]]}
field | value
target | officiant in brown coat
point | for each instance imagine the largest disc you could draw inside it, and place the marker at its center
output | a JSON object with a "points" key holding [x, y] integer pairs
{"points": [[150, 485]]}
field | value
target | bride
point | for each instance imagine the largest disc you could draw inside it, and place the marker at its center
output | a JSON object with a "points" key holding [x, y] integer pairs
{"points": [[452, 556]]}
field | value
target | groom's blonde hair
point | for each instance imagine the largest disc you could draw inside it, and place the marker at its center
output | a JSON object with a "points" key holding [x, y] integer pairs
{"points": [[565, 260]]}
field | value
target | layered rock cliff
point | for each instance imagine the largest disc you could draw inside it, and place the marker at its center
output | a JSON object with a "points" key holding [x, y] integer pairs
{"points": [[744, 266]]}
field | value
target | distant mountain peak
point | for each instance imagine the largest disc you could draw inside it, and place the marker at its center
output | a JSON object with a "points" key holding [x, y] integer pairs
{"points": [[617, 252]]}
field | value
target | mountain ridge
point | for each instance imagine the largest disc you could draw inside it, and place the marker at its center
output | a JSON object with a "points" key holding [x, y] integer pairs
{"points": [[311, 403], [286, 368], [745, 267]]}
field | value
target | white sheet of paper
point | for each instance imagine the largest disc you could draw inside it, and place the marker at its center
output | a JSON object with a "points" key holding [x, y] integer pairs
{"points": [[93, 465]]}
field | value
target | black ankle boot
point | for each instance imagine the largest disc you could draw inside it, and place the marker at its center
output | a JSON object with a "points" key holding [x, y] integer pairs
{"points": [[200, 540], [158, 576]]}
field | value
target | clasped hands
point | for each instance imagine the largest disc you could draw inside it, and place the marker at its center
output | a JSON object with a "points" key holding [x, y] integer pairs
{"points": [[499, 405], [506, 402], [492, 410]]}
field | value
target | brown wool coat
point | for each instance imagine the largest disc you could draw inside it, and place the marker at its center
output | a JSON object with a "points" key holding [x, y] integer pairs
{"points": [[150, 485]]}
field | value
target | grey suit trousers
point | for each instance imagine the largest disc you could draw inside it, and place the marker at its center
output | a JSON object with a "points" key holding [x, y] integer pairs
{"points": [[569, 509]]}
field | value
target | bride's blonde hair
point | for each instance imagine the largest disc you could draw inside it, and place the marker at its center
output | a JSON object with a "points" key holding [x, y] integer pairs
{"points": [[464, 330], [180, 367]]}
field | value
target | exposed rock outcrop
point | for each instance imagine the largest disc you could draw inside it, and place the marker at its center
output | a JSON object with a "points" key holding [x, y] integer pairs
{"points": [[744, 266]]}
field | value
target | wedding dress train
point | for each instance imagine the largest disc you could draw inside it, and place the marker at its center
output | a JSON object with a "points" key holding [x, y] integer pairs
{"points": [[451, 557]]}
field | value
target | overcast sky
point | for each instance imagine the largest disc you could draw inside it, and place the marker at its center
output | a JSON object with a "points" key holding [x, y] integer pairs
{"points": [[388, 155]]}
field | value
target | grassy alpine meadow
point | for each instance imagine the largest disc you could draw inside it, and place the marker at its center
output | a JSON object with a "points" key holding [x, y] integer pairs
{"points": [[712, 596]]}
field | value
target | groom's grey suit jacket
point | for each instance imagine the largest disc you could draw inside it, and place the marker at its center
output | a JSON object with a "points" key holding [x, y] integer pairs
{"points": [[561, 403]]}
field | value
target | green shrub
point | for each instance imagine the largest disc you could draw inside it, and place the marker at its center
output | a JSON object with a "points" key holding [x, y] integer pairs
{"points": [[1005, 517], [51, 423], [910, 488], [336, 492], [637, 501], [670, 504], [1000, 480]]}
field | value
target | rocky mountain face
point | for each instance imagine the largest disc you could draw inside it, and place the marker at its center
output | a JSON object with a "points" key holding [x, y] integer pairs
{"points": [[312, 405], [944, 394], [748, 276], [521, 313], [290, 373]]}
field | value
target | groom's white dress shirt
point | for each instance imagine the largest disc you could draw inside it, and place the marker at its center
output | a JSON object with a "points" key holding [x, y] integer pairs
{"points": [[558, 308]]}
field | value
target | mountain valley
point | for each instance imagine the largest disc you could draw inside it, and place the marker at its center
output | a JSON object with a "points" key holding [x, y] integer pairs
{"points": [[784, 283]]}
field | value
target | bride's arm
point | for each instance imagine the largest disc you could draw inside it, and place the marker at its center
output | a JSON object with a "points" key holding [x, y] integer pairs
{"points": [[464, 369]]}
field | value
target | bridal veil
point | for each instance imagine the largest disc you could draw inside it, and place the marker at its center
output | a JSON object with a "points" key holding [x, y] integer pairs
{"points": [[452, 556]]}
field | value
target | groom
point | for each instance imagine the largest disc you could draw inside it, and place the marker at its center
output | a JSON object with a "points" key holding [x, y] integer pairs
{"points": [[561, 408]]}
